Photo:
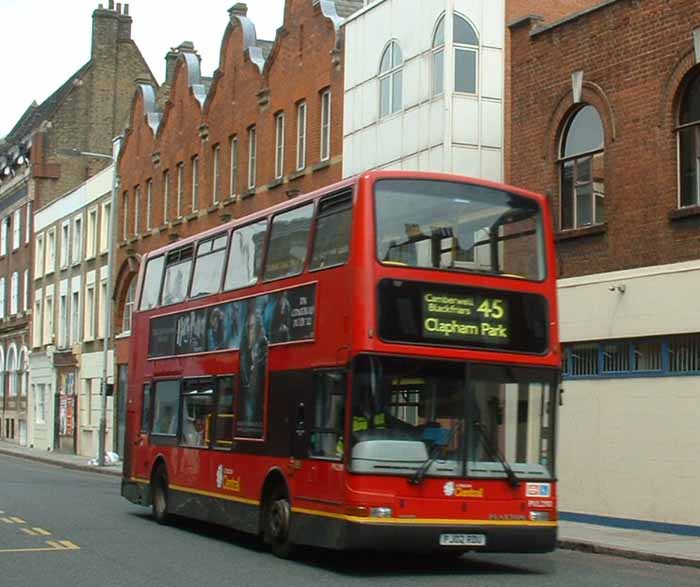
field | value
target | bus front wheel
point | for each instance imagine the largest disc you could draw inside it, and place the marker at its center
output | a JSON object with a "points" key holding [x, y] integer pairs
{"points": [[278, 517], [159, 487]]}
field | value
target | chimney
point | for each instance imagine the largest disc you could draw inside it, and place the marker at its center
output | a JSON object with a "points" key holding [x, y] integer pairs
{"points": [[109, 27], [238, 9]]}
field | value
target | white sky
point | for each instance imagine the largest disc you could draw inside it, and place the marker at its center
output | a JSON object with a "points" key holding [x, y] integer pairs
{"points": [[45, 41]]}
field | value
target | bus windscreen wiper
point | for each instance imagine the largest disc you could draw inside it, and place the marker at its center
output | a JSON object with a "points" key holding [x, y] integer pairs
{"points": [[418, 476], [495, 453]]}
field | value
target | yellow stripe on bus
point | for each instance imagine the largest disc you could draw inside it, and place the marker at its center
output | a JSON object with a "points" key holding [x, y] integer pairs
{"points": [[364, 520]]}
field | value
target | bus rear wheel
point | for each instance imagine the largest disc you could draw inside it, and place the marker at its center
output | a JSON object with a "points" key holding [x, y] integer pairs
{"points": [[278, 517], [159, 500]]}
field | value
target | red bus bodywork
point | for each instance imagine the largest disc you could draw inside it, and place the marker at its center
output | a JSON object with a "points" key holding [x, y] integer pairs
{"points": [[331, 506]]}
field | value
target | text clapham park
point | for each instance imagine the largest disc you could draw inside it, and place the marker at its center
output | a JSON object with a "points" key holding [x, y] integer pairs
{"points": [[466, 318]]}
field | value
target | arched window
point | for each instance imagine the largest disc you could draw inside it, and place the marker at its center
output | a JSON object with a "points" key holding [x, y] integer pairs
{"points": [[12, 371], [128, 307], [466, 47], [689, 145], [23, 371], [390, 80], [582, 170]]}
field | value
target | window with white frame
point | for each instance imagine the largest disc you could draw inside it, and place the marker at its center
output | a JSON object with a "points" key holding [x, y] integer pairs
{"points": [[12, 378], [23, 368], [14, 293], [279, 145], [689, 144], [129, 307], [89, 331], [3, 292], [75, 317], [91, 235], [149, 204], [63, 321], [166, 195], [301, 136], [391, 80], [48, 320], [180, 187], [39, 257], [25, 304], [101, 310], [50, 251], [36, 320], [16, 229], [215, 173], [325, 125], [195, 183], [466, 56], [4, 229], [582, 170], [105, 233], [137, 210], [125, 215], [77, 252], [252, 153], [65, 244], [39, 403], [28, 227], [233, 180], [2, 373]]}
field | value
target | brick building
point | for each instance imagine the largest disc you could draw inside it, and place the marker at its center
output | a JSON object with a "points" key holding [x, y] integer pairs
{"points": [[605, 119], [84, 114], [264, 129]]}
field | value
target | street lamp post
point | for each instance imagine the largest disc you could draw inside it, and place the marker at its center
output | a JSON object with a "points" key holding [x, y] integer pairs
{"points": [[116, 143]]}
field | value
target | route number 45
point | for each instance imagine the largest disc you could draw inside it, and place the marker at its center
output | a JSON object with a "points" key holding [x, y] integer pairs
{"points": [[491, 309]]}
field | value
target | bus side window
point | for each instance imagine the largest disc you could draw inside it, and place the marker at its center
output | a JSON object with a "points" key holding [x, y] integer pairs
{"points": [[328, 415], [224, 419], [208, 266], [146, 409], [151, 283], [166, 408], [289, 239], [245, 256], [197, 412], [332, 238], [177, 275]]}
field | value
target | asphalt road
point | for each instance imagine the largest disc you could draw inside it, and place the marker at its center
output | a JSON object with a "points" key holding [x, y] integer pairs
{"points": [[61, 527]]}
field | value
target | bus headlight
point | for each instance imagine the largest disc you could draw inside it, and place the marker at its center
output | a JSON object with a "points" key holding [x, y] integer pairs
{"points": [[380, 512], [539, 516]]}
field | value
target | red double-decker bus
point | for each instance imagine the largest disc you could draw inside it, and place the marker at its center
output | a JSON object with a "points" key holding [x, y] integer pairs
{"points": [[374, 364]]}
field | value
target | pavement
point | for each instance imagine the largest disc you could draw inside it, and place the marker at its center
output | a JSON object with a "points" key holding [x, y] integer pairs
{"points": [[659, 547]]}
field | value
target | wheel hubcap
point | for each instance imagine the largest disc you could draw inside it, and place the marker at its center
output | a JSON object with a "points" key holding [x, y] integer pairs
{"points": [[279, 519]]}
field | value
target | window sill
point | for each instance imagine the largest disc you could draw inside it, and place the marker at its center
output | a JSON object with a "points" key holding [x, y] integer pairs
{"points": [[213, 208], [321, 165], [122, 335], [162, 227], [143, 236], [683, 213], [275, 184], [574, 233], [192, 216], [229, 201], [297, 174], [177, 221], [249, 194]]}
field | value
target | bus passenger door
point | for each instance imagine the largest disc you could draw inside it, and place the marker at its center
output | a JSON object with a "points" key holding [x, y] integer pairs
{"points": [[325, 416]]}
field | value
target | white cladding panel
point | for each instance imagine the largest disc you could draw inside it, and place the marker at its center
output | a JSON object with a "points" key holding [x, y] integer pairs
{"points": [[491, 73], [436, 126], [412, 82], [589, 310], [492, 31], [628, 449], [491, 164], [465, 120], [411, 123], [491, 127], [466, 160], [389, 137]]}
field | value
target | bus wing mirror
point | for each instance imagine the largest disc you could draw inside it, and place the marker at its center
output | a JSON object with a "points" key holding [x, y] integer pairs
{"points": [[561, 396]]}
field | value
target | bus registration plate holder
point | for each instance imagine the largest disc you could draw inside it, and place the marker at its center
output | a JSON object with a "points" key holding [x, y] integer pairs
{"points": [[462, 540]]}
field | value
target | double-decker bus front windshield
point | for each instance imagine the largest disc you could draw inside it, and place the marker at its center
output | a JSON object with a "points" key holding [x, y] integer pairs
{"points": [[419, 417], [458, 226]]}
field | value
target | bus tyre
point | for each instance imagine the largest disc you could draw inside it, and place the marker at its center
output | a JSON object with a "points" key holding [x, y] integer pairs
{"points": [[159, 488], [278, 517]]}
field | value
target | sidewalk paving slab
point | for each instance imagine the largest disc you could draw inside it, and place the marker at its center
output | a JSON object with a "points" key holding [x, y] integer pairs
{"points": [[673, 549]]}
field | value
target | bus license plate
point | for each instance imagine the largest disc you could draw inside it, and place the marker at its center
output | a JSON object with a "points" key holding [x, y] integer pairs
{"points": [[462, 540]]}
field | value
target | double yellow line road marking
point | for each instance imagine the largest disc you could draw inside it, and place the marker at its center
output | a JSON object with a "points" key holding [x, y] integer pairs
{"points": [[51, 545]]}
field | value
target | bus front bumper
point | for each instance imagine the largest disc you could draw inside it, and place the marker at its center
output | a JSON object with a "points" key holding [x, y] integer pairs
{"points": [[344, 534]]}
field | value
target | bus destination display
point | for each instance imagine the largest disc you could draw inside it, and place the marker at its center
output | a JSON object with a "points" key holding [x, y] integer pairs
{"points": [[469, 317]]}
